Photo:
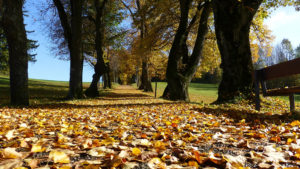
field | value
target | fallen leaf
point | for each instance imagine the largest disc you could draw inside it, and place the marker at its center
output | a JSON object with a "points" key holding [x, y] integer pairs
{"points": [[59, 157], [136, 151], [10, 134], [10, 153]]}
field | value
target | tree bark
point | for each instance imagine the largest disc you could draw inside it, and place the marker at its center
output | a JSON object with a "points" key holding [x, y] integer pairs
{"points": [[137, 77], [76, 64], [13, 25], [73, 33], [105, 81], [182, 67], [145, 79], [100, 67], [108, 76], [232, 25]]}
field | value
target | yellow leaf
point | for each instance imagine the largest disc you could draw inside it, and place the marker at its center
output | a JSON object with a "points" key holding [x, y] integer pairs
{"points": [[136, 151], [295, 123], [37, 148], [61, 138], [65, 167], [289, 141], [59, 157], [159, 145], [10, 153]]}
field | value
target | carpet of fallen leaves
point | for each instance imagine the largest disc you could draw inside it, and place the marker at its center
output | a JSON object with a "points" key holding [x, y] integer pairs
{"points": [[129, 129]]}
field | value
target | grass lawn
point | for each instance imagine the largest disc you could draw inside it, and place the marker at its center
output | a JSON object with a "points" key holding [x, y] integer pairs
{"points": [[40, 91], [206, 93], [199, 92]]}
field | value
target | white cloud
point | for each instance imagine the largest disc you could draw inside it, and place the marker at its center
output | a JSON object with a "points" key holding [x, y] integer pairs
{"points": [[285, 23]]}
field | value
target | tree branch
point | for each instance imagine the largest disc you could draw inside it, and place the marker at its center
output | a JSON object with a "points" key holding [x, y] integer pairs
{"points": [[64, 20], [128, 8], [199, 7], [202, 31]]}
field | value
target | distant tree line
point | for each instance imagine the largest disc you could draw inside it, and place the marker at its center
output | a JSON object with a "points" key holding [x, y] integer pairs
{"points": [[281, 53]]}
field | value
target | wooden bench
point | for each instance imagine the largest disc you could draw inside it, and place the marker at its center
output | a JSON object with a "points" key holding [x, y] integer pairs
{"points": [[283, 69]]}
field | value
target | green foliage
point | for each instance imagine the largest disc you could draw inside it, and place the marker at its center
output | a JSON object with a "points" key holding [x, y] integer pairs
{"points": [[3, 53], [287, 49], [297, 52]]}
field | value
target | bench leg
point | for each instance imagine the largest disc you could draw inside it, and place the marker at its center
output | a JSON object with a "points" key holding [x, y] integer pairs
{"points": [[292, 102], [257, 100]]}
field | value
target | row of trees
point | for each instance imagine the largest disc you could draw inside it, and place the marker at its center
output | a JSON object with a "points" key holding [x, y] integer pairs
{"points": [[281, 53], [187, 31]]}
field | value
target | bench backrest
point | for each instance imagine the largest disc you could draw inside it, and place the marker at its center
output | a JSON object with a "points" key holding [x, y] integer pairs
{"points": [[283, 69]]}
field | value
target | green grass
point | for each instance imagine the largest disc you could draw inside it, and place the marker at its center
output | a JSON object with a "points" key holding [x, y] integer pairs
{"points": [[40, 91], [198, 92], [206, 93]]}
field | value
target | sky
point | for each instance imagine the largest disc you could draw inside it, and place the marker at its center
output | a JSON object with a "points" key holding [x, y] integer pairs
{"points": [[284, 23]]}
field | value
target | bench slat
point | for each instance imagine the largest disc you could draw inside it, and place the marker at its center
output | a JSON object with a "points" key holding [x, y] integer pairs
{"points": [[282, 91], [283, 69]]}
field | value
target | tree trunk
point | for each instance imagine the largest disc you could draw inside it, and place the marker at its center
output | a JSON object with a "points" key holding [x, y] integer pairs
{"points": [[100, 67], [18, 57], [76, 64], [145, 83], [72, 34], [105, 81], [232, 25], [145, 79], [177, 88], [137, 77], [108, 75], [182, 67]]}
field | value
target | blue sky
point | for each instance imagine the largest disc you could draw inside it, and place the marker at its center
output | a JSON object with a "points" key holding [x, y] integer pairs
{"points": [[47, 66], [284, 23]]}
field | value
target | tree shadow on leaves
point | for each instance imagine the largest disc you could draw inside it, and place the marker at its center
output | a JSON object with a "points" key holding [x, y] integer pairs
{"points": [[251, 118]]}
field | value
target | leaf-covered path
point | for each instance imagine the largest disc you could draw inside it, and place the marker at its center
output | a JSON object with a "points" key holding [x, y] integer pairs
{"points": [[130, 129]]}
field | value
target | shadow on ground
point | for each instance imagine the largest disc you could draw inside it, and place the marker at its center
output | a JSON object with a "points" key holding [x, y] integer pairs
{"points": [[250, 117]]}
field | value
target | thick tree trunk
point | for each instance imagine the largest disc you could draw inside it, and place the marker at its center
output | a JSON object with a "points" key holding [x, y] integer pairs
{"points": [[145, 79], [177, 88], [72, 33], [76, 64], [100, 67], [182, 67], [18, 58], [232, 24]]}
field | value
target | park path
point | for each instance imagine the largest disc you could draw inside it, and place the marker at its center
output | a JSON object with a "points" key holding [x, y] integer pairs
{"points": [[123, 95]]}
